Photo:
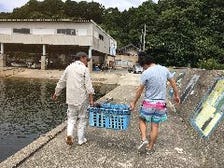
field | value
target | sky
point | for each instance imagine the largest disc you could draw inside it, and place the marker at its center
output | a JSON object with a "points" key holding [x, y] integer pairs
{"points": [[9, 5]]}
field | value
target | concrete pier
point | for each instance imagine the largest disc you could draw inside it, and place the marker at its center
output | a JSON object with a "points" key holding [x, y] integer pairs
{"points": [[2, 56], [2, 60], [178, 144]]}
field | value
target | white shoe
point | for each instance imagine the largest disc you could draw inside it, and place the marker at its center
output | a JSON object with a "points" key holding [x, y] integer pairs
{"points": [[83, 141], [150, 151], [143, 145]]}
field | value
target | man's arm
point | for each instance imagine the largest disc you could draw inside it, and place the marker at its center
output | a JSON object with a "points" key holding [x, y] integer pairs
{"points": [[137, 96], [89, 86], [91, 102], [60, 86], [175, 89]]}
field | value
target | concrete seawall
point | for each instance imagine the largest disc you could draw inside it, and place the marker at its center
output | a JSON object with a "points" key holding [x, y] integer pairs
{"points": [[178, 143]]}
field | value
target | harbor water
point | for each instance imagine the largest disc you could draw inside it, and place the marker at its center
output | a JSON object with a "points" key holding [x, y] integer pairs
{"points": [[27, 111]]}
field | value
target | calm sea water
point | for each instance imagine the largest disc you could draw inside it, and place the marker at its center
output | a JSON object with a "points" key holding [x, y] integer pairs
{"points": [[26, 112]]}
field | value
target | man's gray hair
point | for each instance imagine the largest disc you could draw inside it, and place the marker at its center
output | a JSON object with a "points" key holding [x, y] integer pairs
{"points": [[81, 54]]}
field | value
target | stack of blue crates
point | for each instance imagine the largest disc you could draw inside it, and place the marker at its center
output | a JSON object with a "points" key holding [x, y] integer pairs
{"points": [[108, 115]]}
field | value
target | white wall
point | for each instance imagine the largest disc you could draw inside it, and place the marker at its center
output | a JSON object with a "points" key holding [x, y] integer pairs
{"points": [[42, 31], [87, 34], [5, 31]]}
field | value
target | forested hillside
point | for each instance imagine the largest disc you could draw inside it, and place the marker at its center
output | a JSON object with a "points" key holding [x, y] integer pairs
{"points": [[178, 32]]}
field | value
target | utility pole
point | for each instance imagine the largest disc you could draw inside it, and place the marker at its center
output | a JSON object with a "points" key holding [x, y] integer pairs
{"points": [[142, 38], [144, 35], [141, 41]]}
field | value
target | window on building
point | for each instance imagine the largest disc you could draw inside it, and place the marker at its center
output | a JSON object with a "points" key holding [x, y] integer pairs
{"points": [[101, 37], [66, 31], [21, 30]]}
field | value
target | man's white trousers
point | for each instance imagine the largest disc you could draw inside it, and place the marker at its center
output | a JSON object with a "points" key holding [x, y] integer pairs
{"points": [[77, 116]]}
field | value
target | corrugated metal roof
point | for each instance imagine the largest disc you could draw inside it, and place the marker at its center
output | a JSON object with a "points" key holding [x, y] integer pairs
{"points": [[46, 20]]}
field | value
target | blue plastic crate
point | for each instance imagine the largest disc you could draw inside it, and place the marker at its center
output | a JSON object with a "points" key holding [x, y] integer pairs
{"points": [[107, 116]]}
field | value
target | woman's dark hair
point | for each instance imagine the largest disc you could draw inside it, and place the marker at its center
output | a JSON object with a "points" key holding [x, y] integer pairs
{"points": [[145, 59]]}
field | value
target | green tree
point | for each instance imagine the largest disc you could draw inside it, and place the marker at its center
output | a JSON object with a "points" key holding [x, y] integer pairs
{"points": [[71, 9], [111, 23], [179, 32], [53, 9], [31, 10]]}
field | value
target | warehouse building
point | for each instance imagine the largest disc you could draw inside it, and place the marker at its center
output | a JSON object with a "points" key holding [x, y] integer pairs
{"points": [[52, 42]]}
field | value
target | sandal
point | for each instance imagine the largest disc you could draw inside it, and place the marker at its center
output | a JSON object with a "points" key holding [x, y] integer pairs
{"points": [[150, 151]]}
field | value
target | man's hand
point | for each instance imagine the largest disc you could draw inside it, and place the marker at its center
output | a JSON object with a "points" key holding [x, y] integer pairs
{"points": [[54, 97], [91, 102]]}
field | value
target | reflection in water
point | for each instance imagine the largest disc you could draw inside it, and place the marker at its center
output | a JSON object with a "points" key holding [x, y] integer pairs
{"points": [[26, 112], [43, 91]]}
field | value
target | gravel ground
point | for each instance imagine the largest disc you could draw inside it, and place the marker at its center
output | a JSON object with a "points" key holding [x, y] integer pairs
{"points": [[178, 143], [110, 148]]}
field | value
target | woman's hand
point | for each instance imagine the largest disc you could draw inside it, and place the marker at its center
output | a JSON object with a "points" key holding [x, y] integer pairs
{"points": [[54, 97], [132, 106]]}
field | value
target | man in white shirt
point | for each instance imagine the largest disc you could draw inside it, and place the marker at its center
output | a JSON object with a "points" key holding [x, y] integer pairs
{"points": [[79, 95]]}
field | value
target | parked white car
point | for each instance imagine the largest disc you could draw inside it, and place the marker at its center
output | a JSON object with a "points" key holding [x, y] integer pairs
{"points": [[137, 68]]}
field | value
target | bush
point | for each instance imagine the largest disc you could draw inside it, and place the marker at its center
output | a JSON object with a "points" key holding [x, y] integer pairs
{"points": [[210, 64]]}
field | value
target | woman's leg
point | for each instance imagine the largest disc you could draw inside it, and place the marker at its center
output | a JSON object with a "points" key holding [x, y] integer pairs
{"points": [[153, 135], [142, 128]]}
